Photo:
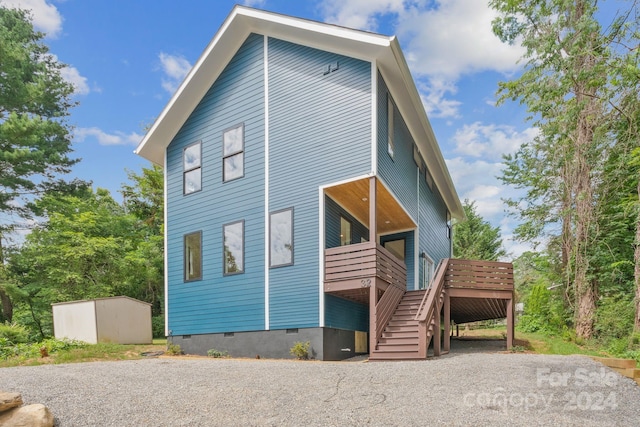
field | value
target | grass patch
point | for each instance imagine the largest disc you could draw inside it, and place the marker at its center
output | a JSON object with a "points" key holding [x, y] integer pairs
{"points": [[84, 353]]}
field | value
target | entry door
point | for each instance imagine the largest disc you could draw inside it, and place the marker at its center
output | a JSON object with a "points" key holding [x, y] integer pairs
{"points": [[396, 247]]}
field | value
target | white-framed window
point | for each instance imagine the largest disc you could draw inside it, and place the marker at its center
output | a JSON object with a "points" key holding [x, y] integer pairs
{"points": [[192, 168], [345, 231], [233, 153], [449, 225], [233, 235], [281, 238], [427, 271], [193, 256], [390, 127]]}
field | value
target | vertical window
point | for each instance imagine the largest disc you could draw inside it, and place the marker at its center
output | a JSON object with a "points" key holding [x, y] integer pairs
{"points": [[345, 232], [427, 271], [193, 256], [396, 247], [233, 247], [281, 238], [233, 153], [191, 164], [448, 225], [429, 179], [417, 157], [389, 125]]}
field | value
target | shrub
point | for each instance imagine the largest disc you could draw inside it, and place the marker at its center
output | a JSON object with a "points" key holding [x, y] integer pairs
{"points": [[174, 349], [14, 333], [157, 326], [614, 318], [300, 350], [216, 353]]}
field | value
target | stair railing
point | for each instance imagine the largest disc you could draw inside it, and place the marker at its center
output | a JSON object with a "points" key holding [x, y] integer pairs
{"points": [[425, 310], [385, 308]]}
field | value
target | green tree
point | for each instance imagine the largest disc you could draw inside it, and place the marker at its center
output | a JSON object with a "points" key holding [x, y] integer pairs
{"points": [[35, 140], [571, 86], [474, 238]]}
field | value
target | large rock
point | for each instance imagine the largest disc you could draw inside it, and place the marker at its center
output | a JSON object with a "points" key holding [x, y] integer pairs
{"points": [[36, 415], [9, 400]]}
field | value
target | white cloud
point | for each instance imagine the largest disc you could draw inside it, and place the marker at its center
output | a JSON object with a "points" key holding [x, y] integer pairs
{"points": [[175, 68], [116, 138], [360, 14], [490, 141], [46, 17], [79, 82], [433, 94], [254, 3]]}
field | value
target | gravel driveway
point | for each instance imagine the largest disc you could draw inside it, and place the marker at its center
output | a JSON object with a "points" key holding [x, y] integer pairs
{"points": [[458, 389]]}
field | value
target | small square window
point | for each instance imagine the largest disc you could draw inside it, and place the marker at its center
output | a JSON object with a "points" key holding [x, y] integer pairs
{"points": [[233, 248], [192, 172], [193, 256], [233, 153]]}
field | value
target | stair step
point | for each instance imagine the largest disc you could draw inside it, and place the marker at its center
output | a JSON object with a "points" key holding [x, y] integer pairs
{"points": [[399, 340], [403, 322], [402, 328], [400, 334], [409, 316], [394, 348]]}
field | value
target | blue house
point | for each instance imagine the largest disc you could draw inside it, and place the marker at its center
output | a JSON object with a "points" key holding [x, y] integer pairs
{"points": [[306, 196]]}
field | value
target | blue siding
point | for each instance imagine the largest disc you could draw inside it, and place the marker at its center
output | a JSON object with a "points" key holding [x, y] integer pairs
{"points": [[433, 224], [399, 172], [341, 313], [217, 303], [319, 133], [332, 214]]}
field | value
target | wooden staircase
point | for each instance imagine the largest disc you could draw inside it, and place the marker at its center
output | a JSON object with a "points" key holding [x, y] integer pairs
{"points": [[415, 321]]}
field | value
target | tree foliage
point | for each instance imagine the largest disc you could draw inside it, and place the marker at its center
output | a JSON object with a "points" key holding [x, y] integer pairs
{"points": [[474, 238], [580, 86], [35, 140]]}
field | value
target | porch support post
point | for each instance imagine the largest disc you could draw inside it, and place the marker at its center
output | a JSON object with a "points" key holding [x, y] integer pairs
{"points": [[373, 331], [373, 220], [373, 290], [436, 332], [447, 322], [510, 323]]}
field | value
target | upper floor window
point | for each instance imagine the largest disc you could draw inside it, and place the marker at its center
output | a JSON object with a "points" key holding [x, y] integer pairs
{"points": [[449, 225], [192, 168], [233, 235], [429, 179], [193, 256], [281, 238], [233, 153], [390, 146]]}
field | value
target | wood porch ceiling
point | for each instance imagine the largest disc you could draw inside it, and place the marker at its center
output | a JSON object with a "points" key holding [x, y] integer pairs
{"points": [[391, 216]]}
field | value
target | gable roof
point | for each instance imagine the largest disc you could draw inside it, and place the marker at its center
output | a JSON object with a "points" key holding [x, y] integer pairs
{"points": [[242, 21]]}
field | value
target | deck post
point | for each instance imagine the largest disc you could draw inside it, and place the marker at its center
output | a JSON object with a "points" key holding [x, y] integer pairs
{"points": [[373, 220], [457, 330], [436, 332], [510, 323], [373, 331], [447, 322], [373, 290]]}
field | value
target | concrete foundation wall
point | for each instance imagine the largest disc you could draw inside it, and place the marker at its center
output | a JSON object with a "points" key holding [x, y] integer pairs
{"points": [[326, 343]]}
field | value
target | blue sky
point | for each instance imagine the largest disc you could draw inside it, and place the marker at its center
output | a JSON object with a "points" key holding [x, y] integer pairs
{"points": [[127, 57]]}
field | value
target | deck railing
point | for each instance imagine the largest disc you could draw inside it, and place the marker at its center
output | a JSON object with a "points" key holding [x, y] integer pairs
{"points": [[488, 275], [361, 263]]}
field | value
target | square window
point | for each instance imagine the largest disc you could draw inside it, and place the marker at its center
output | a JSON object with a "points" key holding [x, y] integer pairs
{"points": [[233, 248], [193, 256], [281, 238], [191, 165], [233, 153]]}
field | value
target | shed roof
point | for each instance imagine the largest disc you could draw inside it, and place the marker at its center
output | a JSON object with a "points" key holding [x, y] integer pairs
{"points": [[242, 21]]}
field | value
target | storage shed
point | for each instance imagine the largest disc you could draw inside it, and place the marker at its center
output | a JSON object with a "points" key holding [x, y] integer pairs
{"points": [[120, 320]]}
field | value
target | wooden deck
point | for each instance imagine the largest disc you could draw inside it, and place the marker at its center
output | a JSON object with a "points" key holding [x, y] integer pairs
{"points": [[404, 323]]}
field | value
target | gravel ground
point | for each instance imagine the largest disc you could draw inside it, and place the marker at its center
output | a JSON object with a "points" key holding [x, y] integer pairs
{"points": [[458, 389]]}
